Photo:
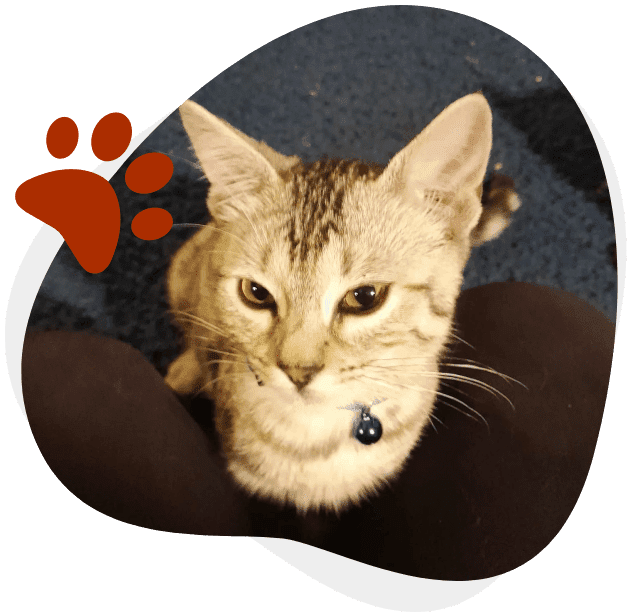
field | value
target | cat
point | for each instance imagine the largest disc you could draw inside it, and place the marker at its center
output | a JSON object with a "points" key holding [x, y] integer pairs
{"points": [[321, 295]]}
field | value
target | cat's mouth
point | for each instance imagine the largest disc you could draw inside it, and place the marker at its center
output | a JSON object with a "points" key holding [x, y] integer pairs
{"points": [[367, 428]]}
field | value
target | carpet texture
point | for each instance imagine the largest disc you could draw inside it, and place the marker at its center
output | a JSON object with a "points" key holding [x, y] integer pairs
{"points": [[362, 84]]}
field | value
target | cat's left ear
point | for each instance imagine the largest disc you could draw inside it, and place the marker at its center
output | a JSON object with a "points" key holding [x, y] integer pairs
{"points": [[449, 156]]}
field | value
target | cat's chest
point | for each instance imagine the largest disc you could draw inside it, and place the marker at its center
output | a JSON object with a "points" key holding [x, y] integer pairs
{"points": [[321, 464]]}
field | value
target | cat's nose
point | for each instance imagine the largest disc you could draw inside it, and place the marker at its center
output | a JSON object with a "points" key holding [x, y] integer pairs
{"points": [[300, 375]]}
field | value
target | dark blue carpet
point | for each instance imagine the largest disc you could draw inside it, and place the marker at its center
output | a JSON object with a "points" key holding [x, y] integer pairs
{"points": [[361, 85]]}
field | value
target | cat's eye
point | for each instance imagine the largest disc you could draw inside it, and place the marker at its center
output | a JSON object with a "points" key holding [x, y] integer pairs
{"points": [[255, 295], [364, 299]]}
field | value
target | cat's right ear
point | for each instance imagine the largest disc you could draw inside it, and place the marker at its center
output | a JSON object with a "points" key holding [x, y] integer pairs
{"points": [[452, 152], [449, 156], [235, 164]]}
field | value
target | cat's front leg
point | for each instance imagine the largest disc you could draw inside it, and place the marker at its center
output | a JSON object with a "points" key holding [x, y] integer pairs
{"points": [[184, 374]]}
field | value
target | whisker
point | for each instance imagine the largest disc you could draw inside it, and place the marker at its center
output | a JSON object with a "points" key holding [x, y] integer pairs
{"points": [[461, 340], [480, 384], [385, 383], [226, 362], [230, 234], [456, 389], [206, 326], [477, 365], [190, 225], [248, 219], [211, 349], [433, 425], [488, 370], [221, 251], [195, 165], [477, 413], [208, 384], [211, 251], [236, 199], [458, 410], [401, 358], [438, 393], [457, 378], [194, 318], [432, 415]]}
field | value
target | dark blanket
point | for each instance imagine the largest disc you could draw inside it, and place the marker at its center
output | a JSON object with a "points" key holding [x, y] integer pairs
{"points": [[476, 499]]}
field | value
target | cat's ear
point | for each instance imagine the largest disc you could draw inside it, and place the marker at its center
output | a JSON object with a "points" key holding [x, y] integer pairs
{"points": [[452, 152], [450, 156], [235, 164]]}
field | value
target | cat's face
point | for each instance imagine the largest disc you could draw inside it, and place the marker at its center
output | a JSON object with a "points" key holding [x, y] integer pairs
{"points": [[318, 287], [314, 330]]}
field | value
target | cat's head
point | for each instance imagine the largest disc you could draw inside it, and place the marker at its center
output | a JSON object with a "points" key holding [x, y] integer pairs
{"points": [[316, 286]]}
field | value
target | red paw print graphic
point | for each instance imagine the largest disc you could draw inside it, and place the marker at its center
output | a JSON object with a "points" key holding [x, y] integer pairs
{"points": [[83, 206]]}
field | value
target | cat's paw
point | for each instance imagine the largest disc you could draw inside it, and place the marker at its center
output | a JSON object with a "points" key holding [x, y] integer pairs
{"points": [[82, 205], [499, 202], [184, 374]]}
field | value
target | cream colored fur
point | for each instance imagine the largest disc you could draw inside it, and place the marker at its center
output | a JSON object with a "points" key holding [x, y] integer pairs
{"points": [[411, 228]]}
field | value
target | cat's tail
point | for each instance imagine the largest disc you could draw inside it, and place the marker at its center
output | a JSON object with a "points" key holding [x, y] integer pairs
{"points": [[499, 202]]}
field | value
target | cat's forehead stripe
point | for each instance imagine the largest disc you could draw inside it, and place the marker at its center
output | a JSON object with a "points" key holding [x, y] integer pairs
{"points": [[318, 192]]}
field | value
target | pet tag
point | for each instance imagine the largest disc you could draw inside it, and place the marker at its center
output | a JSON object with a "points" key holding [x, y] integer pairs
{"points": [[368, 429]]}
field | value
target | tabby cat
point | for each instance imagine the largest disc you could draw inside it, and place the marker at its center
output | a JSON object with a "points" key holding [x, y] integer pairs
{"points": [[322, 295]]}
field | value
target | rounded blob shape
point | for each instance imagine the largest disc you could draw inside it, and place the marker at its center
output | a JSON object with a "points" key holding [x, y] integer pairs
{"points": [[151, 224], [111, 136], [62, 137], [149, 173]]}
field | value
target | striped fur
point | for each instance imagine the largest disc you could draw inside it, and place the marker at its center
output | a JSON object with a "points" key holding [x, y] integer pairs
{"points": [[284, 370], [318, 192]]}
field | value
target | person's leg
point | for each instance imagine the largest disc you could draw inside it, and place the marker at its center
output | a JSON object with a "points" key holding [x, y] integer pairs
{"points": [[478, 497], [117, 438], [489, 485]]}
